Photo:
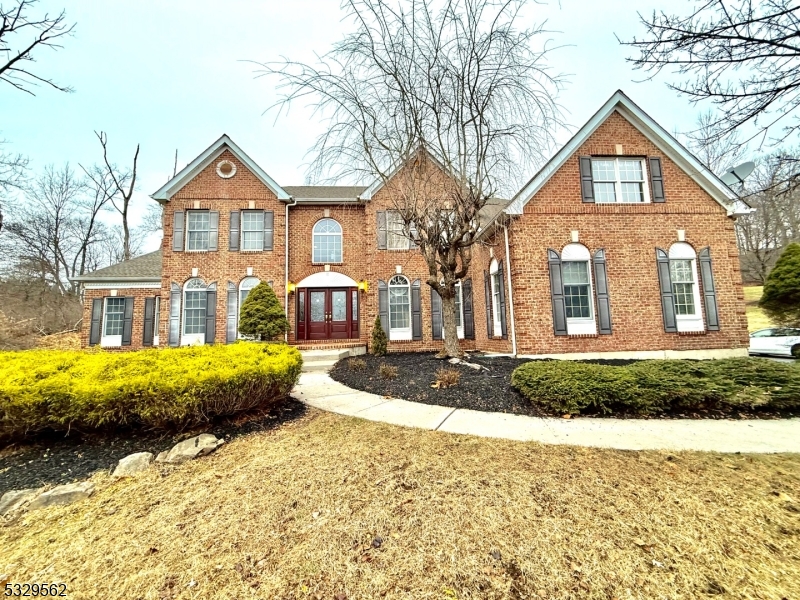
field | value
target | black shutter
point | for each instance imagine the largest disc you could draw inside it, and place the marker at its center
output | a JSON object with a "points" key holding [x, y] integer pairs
{"points": [[557, 293], [269, 229], [381, 230], [416, 310], [175, 315], [97, 322], [436, 315], [500, 276], [469, 316], [487, 291], [656, 180], [149, 316], [213, 229], [383, 305], [178, 222], [601, 293], [232, 324], [127, 322], [211, 317], [709, 292], [587, 185], [667, 300], [233, 239]]}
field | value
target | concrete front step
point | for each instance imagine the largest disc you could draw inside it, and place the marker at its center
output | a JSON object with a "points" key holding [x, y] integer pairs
{"points": [[323, 360]]}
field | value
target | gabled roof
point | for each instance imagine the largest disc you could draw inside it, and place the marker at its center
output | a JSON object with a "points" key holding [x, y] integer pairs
{"points": [[206, 158], [671, 147], [142, 268], [325, 193], [378, 184]]}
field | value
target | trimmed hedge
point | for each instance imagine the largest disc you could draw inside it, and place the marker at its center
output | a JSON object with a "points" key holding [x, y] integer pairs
{"points": [[57, 390], [652, 387]]}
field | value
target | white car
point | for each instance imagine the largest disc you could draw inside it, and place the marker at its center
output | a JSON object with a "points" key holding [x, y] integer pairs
{"points": [[784, 341]]}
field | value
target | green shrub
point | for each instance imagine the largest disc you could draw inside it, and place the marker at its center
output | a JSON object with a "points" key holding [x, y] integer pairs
{"points": [[379, 341], [781, 297], [66, 389], [652, 387], [262, 315]]}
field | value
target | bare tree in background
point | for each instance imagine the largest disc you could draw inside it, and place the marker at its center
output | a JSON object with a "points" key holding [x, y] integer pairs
{"points": [[21, 35], [425, 88], [12, 176], [741, 55], [717, 153]]}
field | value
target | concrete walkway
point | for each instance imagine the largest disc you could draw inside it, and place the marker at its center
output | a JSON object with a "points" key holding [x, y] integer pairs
{"points": [[320, 391]]}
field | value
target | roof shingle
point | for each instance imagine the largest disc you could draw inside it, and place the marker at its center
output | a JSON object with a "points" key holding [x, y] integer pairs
{"points": [[142, 268]]}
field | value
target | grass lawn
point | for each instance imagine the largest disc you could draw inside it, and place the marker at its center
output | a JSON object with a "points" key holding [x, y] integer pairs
{"points": [[756, 319], [333, 507]]}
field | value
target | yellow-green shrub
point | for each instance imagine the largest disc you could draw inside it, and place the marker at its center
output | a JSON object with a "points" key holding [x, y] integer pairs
{"points": [[61, 389]]}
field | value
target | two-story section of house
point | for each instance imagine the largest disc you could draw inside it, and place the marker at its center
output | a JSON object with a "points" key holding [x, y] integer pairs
{"points": [[621, 246]]}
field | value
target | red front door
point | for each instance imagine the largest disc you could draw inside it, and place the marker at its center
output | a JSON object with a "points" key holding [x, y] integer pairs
{"points": [[327, 313]]}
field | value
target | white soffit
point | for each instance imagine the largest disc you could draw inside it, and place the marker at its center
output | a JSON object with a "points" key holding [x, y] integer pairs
{"points": [[620, 103], [208, 156]]}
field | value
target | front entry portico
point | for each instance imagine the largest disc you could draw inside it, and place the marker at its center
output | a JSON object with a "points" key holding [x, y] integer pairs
{"points": [[327, 307]]}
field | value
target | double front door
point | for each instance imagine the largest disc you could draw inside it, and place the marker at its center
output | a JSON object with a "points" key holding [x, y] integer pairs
{"points": [[327, 313]]}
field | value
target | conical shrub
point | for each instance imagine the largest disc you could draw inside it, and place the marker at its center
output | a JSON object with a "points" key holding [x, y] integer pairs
{"points": [[261, 314], [379, 341], [781, 297]]}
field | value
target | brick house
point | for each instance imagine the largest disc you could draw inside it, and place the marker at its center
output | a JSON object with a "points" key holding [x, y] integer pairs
{"points": [[622, 245]]}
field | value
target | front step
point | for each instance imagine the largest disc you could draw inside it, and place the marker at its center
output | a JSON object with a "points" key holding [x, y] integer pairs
{"points": [[323, 360]]}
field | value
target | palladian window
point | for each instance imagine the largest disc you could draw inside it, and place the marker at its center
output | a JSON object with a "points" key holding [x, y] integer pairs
{"points": [[399, 308], [327, 242]]}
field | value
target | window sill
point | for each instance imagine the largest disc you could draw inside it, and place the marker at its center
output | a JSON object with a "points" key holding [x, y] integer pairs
{"points": [[582, 335], [200, 251], [400, 336], [322, 264], [690, 333], [690, 326], [114, 341], [251, 251], [581, 327]]}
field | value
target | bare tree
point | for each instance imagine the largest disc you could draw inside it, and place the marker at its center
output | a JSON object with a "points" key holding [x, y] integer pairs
{"points": [[717, 153], [742, 55], [20, 36], [12, 176], [446, 102]]}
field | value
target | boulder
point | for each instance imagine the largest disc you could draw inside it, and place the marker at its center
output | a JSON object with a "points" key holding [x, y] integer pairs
{"points": [[63, 494], [133, 464], [16, 499], [200, 445]]}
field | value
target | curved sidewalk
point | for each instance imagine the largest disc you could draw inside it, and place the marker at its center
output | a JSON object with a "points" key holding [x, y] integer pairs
{"points": [[320, 391]]}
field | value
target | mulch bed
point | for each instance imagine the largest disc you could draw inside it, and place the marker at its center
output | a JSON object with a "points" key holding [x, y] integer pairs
{"points": [[57, 459], [481, 390]]}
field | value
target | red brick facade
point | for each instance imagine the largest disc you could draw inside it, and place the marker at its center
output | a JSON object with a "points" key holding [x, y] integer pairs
{"points": [[629, 234]]}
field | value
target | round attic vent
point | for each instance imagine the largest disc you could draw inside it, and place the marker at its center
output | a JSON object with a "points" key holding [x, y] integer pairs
{"points": [[226, 169]]}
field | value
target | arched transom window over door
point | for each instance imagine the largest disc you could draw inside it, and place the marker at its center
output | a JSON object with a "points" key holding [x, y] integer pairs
{"points": [[399, 308], [327, 242]]}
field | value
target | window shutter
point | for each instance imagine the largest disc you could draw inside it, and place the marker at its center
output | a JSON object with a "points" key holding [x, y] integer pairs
{"points": [[587, 185], [487, 292], [211, 316], [149, 316], [175, 315], [469, 317], [667, 300], [709, 292], [416, 310], [383, 305], [97, 322], [557, 293], [233, 239], [127, 322], [601, 293], [381, 230], [436, 315], [656, 180], [178, 222], [269, 228], [213, 229], [232, 328], [503, 328]]}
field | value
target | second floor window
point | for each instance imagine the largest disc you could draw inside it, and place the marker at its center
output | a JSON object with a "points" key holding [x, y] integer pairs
{"points": [[396, 238], [197, 230], [619, 180], [327, 242], [253, 230]]}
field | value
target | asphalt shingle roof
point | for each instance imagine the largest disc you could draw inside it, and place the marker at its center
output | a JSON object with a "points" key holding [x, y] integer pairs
{"points": [[145, 267], [324, 192]]}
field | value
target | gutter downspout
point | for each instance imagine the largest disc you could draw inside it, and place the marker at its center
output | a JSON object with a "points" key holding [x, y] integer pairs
{"points": [[510, 295], [292, 202]]}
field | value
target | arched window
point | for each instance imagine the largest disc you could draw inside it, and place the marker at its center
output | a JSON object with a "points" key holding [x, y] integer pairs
{"points": [[195, 300], [497, 286], [685, 291], [399, 308], [247, 284], [575, 261], [327, 242]]}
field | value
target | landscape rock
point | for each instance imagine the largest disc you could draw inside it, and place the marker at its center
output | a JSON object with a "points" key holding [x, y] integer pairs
{"points": [[16, 499], [133, 464], [63, 494], [162, 456], [200, 445]]}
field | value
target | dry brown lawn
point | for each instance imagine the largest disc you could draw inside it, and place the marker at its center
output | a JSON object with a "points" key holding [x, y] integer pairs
{"points": [[332, 507]]}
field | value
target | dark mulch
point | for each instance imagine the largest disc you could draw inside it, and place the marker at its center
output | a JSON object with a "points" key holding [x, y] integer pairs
{"points": [[483, 390], [56, 459]]}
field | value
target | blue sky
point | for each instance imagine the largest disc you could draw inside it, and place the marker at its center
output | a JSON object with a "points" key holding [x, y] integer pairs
{"points": [[172, 75]]}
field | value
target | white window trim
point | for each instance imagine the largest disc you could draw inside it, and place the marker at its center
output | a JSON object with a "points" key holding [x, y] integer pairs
{"points": [[111, 341], [399, 334], [689, 323], [156, 319], [618, 181], [576, 252], [240, 289], [497, 329], [190, 339], [263, 232], [186, 231], [341, 236], [406, 240]]}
